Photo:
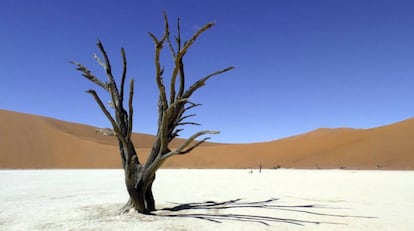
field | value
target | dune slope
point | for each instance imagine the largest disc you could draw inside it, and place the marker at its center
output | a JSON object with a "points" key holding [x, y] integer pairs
{"points": [[29, 141]]}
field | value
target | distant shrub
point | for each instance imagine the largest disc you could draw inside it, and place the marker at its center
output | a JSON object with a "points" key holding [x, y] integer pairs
{"points": [[105, 131], [379, 166]]}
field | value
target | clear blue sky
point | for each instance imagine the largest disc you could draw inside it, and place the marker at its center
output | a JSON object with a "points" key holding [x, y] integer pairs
{"points": [[300, 65]]}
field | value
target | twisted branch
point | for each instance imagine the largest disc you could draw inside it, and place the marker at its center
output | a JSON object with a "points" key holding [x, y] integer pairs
{"points": [[88, 75]]}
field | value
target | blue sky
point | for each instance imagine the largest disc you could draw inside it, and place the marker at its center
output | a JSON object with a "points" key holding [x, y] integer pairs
{"points": [[300, 65]]}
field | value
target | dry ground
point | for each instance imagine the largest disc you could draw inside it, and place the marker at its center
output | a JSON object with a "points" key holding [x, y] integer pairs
{"points": [[210, 200]]}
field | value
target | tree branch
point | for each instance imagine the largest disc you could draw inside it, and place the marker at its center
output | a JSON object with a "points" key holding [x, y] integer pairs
{"points": [[202, 82], [182, 79], [193, 146], [107, 114], [88, 75], [99, 61], [185, 117], [178, 59], [187, 123], [195, 36], [107, 65], [183, 148], [182, 75], [131, 109], [193, 105], [172, 50], [124, 72], [111, 81], [158, 70], [176, 64], [175, 133], [167, 117]]}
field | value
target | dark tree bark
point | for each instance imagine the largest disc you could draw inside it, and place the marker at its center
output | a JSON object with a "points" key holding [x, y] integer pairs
{"points": [[139, 177]]}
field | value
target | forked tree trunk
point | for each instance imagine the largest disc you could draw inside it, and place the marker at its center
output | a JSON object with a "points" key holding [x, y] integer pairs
{"points": [[139, 199], [139, 190], [139, 177]]}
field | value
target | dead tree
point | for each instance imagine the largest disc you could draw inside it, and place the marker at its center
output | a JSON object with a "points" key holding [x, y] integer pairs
{"points": [[172, 115]]}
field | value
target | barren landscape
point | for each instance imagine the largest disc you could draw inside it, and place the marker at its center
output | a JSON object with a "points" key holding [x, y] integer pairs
{"points": [[221, 115], [210, 200], [233, 194], [29, 141]]}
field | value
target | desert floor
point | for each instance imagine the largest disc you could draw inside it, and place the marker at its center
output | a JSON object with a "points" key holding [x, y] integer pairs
{"points": [[210, 200]]}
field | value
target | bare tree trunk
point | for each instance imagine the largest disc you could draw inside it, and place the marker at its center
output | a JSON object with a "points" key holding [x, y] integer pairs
{"points": [[138, 187], [139, 178]]}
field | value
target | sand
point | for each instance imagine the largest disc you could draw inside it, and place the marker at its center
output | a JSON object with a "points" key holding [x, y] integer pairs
{"points": [[236, 200], [34, 142]]}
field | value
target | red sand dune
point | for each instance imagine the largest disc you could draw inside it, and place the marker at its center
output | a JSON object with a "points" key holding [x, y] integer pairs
{"points": [[28, 141]]}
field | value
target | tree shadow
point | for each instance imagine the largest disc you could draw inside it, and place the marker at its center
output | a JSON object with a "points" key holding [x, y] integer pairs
{"points": [[311, 209]]}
